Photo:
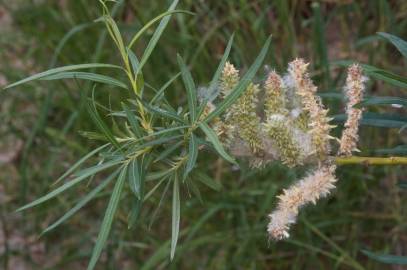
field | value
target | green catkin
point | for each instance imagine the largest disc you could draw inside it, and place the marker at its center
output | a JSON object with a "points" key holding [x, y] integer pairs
{"points": [[279, 131], [244, 120], [229, 79], [301, 122], [241, 120], [274, 95]]}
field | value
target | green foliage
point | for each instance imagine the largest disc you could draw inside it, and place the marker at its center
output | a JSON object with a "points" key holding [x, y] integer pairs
{"points": [[146, 113]]}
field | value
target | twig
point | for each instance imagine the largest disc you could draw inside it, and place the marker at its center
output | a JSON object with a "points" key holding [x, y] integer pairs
{"points": [[371, 160]]}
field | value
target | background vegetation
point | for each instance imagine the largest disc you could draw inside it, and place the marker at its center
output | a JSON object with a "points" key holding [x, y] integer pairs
{"points": [[39, 136]]}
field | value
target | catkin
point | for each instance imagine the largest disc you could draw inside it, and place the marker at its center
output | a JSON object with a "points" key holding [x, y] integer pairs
{"points": [[353, 89], [316, 185], [318, 120]]}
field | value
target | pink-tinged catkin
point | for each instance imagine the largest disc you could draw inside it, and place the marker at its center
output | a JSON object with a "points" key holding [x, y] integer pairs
{"points": [[353, 89], [229, 79], [312, 104], [316, 185], [274, 96]]}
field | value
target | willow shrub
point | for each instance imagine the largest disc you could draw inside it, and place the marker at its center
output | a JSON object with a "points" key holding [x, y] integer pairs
{"points": [[149, 134]]}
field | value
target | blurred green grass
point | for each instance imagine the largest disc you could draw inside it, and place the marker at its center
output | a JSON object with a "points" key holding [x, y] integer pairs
{"points": [[227, 231]]}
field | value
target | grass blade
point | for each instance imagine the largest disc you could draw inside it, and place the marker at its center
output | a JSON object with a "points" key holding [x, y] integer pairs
{"points": [[213, 138], [190, 87], [176, 209], [242, 85], [108, 219], [61, 69]]}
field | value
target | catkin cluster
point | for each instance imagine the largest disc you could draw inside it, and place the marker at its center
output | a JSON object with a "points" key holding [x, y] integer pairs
{"points": [[292, 126]]}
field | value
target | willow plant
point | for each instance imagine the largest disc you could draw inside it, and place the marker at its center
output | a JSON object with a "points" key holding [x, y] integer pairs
{"points": [[154, 143]]}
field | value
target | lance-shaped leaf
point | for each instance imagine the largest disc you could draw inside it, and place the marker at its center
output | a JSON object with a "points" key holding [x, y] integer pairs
{"points": [[242, 85], [190, 87], [108, 219], [61, 69], [400, 44], [86, 76], [213, 138]]}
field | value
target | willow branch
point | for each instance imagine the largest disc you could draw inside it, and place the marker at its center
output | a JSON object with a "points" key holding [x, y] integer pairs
{"points": [[371, 160]]}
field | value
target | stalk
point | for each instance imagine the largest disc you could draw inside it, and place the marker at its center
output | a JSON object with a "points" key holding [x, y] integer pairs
{"points": [[371, 160]]}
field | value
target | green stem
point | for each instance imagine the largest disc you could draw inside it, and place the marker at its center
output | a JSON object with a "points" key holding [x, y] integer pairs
{"points": [[371, 160]]}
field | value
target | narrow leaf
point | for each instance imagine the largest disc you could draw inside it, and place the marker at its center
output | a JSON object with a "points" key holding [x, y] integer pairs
{"points": [[81, 203], [134, 213], [387, 259], [160, 92], [135, 65], [175, 216], [398, 150], [216, 76], [108, 219], [213, 138], [156, 19], [100, 124], [135, 177], [156, 36], [206, 180], [377, 120], [134, 124], [192, 155], [383, 101], [60, 69], [89, 172], [400, 44], [79, 162], [377, 73], [86, 76], [242, 85], [168, 151], [190, 87]]}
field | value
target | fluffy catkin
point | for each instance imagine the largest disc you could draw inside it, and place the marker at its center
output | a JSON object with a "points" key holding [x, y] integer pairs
{"points": [[353, 89], [274, 96], [278, 129], [316, 185], [228, 79], [241, 119], [318, 120]]}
